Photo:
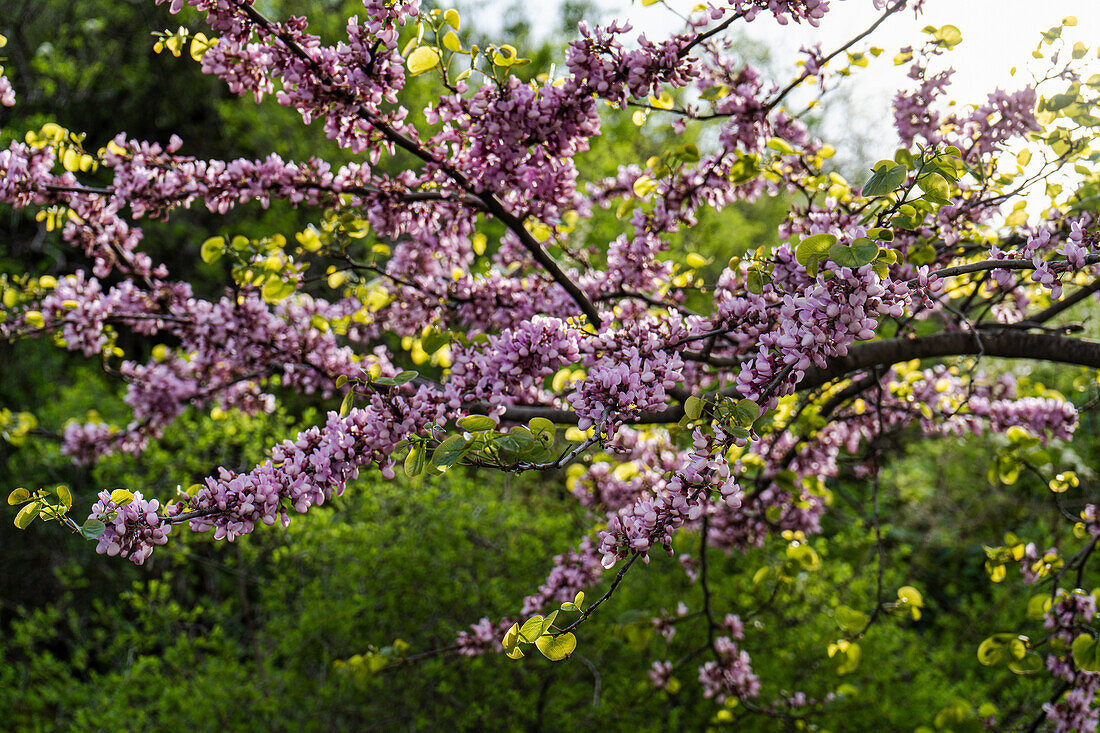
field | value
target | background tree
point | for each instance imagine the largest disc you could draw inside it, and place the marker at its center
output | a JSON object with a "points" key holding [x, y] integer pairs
{"points": [[712, 409]]}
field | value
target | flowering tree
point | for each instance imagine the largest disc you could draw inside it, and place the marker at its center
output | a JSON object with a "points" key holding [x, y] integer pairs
{"points": [[685, 397]]}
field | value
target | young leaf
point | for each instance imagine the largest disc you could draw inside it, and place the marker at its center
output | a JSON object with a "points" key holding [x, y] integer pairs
{"points": [[531, 629], [1086, 653], [404, 377], [65, 496], [449, 452], [543, 429], [18, 496], [92, 529], [511, 639], [212, 249], [556, 648], [935, 188], [414, 461], [422, 59], [476, 423], [122, 497], [812, 250], [885, 180], [851, 620], [27, 514]]}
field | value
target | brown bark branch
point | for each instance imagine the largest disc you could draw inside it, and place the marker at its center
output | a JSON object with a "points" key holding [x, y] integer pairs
{"points": [[1007, 343]]}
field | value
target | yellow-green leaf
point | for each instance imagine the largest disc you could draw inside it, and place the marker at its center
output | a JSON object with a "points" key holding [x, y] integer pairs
{"points": [[26, 515], [543, 428], [122, 497], [276, 289], [422, 59], [556, 648], [212, 249], [511, 639], [65, 496], [18, 496], [644, 186], [531, 629]]}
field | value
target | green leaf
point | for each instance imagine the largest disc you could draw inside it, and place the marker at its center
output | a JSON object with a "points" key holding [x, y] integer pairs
{"points": [[693, 407], [122, 497], [275, 289], [1029, 664], [755, 281], [18, 496], [531, 629], [1038, 606], [543, 429], [644, 186], [556, 648], [92, 529], [1021, 437], [861, 252], [433, 341], [1086, 653], [745, 412], [212, 249], [935, 187], [549, 621], [347, 403], [511, 639], [812, 250], [1000, 647], [884, 180], [449, 452], [851, 620], [948, 35], [912, 596], [882, 234], [65, 496], [781, 146], [414, 462], [422, 59], [451, 42], [476, 423], [744, 169], [27, 514], [404, 377]]}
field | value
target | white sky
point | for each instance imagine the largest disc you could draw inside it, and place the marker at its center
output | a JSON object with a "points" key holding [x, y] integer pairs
{"points": [[997, 35]]}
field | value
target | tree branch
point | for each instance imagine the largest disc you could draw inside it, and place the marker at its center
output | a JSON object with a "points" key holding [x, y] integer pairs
{"points": [[1007, 343]]}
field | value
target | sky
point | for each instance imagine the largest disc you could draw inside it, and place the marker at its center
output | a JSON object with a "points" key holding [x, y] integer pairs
{"points": [[997, 35]]}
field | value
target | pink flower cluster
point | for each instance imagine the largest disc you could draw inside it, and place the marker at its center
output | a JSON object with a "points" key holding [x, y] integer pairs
{"points": [[730, 674], [133, 528], [821, 322], [309, 470], [784, 10], [630, 370], [653, 518], [1075, 712], [512, 366], [484, 636]]}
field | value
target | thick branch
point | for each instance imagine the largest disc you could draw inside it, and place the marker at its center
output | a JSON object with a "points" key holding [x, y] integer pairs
{"points": [[1007, 343]]}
